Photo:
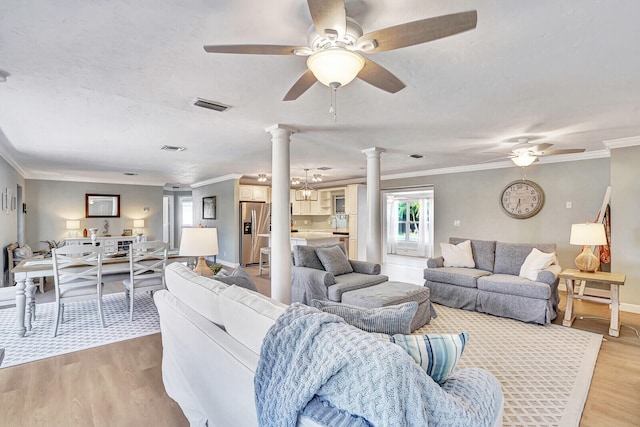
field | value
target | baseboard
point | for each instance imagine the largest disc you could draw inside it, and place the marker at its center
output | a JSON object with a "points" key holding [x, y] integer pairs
{"points": [[603, 293], [227, 263]]}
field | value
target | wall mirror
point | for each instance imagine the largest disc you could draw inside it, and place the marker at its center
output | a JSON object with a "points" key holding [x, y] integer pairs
{"points": [[102, 206]]}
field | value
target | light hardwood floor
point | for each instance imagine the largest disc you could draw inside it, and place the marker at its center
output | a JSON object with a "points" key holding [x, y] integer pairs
{"points": [[121, 384]]}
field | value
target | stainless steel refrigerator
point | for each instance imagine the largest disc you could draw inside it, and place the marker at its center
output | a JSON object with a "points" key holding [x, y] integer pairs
{"points": [[254, 219]]}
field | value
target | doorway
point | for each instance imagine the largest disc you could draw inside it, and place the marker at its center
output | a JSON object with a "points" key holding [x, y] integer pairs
{"points": [[408, 223]]}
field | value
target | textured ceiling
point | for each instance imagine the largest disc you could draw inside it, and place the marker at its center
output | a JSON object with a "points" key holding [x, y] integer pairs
{"points": [[96, 88]]}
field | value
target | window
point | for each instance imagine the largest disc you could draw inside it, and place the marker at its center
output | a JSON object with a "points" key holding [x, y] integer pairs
{"points": [[408, 221], [186, 211]]}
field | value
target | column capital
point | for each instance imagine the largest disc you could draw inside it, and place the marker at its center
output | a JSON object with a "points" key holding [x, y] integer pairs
{"points": [[280, 128], [373, 151]]}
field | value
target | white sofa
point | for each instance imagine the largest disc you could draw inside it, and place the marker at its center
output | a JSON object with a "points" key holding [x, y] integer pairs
{"points": [[211, 335]]}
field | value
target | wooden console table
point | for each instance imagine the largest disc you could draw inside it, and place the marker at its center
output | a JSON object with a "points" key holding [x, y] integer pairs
{"points": [[614, 280]]}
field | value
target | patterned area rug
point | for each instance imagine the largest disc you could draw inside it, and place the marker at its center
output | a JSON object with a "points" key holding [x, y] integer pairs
{"points": [[545, 371], [81, 328]]}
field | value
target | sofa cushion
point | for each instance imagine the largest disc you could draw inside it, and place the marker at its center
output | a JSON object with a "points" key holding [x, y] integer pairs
{"points": [[466, 277], [393, 319], [437, 354], [305, 256], [511, 256], [248, 315], [459, 255], [239, 277], [334, 260], [484, 252], [350, 281], [199, 293], [535, 262], [514, 285]]}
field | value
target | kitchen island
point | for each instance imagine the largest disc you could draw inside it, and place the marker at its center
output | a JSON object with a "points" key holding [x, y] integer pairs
{"points": [[311, 238]]}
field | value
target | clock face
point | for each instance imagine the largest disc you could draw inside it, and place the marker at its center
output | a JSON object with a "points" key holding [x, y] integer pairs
{"points": [[522, 199]]}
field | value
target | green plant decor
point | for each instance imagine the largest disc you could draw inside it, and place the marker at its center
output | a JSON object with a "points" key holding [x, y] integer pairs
{"points": [[215, 268]]}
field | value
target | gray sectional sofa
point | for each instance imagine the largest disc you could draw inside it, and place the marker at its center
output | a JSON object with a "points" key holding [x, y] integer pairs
{"points": [[494, 285], [310, 280]]}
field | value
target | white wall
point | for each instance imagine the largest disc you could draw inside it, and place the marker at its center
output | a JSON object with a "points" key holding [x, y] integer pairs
{"points": [[51, 203]]}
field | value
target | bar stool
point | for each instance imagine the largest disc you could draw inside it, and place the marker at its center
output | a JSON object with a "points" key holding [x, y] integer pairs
{"points": [[267, 252]]}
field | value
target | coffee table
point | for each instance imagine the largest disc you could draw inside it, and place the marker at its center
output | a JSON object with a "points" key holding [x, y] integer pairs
{"points": [[614, 280]]}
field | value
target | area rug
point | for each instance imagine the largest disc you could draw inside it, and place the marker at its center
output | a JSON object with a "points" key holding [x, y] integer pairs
{"points": [[81, 329], [545, 371]]}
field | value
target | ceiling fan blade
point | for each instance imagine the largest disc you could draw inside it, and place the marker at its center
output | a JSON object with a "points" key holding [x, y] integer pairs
{"points": [[304, 82], [254, 49], [565, 151], [380, 77], [541, 147], [422, 31], [329, 15]]}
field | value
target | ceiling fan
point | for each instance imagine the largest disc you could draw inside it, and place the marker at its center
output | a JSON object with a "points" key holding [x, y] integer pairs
{"points": [[525, 153], [337, 42]]}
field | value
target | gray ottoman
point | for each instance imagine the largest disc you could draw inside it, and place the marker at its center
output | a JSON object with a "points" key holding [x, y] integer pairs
{"points": [[392, 293]]}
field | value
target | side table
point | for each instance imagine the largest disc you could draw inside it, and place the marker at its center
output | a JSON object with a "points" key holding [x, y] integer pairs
{"points": [[614, 280]]}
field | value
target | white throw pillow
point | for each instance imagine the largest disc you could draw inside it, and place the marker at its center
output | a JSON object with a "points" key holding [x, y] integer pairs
{"points": [[535, 262], [199, 293], [248, 315], [459, 255]]}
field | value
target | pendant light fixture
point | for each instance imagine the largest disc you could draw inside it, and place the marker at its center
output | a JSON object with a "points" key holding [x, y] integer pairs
{"points": [[306, 193]]}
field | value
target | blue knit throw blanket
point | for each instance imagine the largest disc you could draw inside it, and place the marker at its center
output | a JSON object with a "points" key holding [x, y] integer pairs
{"points": [[309, 353]]}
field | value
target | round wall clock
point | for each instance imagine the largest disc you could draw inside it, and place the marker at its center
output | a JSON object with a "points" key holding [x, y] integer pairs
{"points": [[522, 199]]}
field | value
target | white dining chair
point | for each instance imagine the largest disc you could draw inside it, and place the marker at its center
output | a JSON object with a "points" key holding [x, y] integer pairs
{"points": [[77, 272], [146, 269]]}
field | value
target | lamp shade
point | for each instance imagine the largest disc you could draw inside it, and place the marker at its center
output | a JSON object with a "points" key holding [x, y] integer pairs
{"points": [[73, 224], [199, 242], [138, 223], [588, 234], [335, 65]]}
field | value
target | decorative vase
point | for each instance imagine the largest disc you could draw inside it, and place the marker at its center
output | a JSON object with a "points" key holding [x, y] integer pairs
{"points": [[93, 235]]}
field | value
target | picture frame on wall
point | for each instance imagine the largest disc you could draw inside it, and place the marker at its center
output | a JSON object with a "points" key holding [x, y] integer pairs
{"points": [[209, 207]]}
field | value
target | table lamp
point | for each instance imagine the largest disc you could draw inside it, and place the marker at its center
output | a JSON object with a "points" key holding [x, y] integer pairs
{"points": [[199, 242], [73, 224], [138, 225], [587, 235]]}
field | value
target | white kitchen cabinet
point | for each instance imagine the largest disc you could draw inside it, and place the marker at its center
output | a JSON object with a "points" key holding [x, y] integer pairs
{"points": [[325, 203], [353, 195], [254, 193]]}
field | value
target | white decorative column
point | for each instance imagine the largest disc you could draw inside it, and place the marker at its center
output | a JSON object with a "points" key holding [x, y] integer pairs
{"points": [[280, 213], [374, 221]]}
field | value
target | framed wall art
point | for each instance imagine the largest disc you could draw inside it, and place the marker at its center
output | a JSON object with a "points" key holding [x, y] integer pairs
{"points": [[209, 207]]}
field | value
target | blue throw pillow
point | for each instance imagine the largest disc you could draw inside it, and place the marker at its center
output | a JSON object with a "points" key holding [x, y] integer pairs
{"points": [[392, 319], [437, 354]]}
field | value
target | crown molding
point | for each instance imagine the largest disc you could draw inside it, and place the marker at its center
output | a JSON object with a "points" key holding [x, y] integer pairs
{"points": [[622, 142], [8, 157], [216, 180], [598, 154]]}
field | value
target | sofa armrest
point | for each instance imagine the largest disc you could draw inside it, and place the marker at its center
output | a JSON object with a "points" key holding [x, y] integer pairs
{"points": [[549, 275], [309, 283], [364, 267], [435, 262]]}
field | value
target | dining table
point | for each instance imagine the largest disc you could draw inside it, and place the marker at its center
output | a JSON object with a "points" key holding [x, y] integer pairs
{"points": [[27, 270]]}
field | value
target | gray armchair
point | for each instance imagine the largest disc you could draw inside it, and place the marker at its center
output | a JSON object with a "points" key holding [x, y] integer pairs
{"points": [[311, 280]]}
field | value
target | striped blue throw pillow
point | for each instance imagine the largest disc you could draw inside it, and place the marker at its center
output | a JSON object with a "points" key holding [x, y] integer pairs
{"points": [[437, 354]]}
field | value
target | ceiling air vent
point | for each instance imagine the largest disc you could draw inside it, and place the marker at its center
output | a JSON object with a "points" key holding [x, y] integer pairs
{"points": [[324, 168], [211, 105], [416, 156], [172, 148]]}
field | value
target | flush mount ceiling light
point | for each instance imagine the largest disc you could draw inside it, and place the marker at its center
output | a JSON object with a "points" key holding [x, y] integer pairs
{"points": [[316, 177], [306, 192], [262, 177], [295, 181]]}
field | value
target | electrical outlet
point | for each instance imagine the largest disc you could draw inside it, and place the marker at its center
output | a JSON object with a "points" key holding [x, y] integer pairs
{"points": [[569, 205], [456, 223]]}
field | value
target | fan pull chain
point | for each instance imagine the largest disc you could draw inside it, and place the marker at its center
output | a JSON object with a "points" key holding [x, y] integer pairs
{"points": [[333, 107]]}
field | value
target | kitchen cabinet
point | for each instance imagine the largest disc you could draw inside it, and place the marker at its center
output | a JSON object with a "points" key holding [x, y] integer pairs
{"points": [[254, 193], [325, 205], [353, 196]]}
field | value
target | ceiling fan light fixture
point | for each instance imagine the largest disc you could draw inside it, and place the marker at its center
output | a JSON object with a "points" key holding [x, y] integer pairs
{"points": [[262, 177], [336, 65], [523, 159]]}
